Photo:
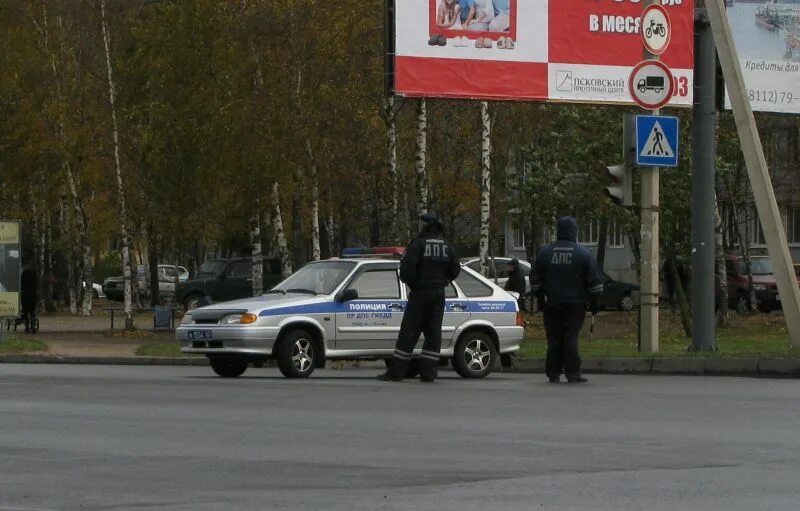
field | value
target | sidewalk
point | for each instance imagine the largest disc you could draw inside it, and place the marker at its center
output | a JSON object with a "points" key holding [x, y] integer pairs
{"points": [[89, 340]]}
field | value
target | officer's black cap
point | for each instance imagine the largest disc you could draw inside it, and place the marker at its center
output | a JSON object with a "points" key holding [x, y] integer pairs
{"points": [[429, 218]]}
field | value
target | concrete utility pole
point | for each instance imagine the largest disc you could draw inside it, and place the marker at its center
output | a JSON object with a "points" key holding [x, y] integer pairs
{"points": [[648, 308], [757, 169], [703, 153]]}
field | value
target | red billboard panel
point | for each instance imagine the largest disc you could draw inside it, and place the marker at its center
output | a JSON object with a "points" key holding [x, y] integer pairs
{"points": [[540, 50]]}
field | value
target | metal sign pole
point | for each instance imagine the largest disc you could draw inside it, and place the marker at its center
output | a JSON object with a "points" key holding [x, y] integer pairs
{"points": [[650, 247], [650, 250]]}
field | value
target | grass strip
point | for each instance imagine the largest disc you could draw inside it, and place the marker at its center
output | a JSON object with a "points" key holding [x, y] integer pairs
{"points": [[17, 345]]}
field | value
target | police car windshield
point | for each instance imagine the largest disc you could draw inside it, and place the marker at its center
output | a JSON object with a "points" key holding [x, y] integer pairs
{"points": [[321, 278]]}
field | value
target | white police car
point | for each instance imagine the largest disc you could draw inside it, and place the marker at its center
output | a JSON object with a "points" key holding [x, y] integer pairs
{"points": [[349, 309]]}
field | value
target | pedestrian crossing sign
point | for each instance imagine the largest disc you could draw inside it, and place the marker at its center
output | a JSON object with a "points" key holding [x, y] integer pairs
{"points": [[656, 141]]}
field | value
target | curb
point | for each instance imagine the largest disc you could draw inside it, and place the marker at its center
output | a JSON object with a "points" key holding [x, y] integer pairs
{"points": [[754, 367], [131, 361]]}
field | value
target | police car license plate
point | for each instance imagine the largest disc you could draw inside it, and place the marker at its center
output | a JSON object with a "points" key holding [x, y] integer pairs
{"points": [[199, 335]]}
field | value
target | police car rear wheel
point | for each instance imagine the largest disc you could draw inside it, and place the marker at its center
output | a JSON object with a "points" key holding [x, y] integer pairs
{"points": [[474, 355], [227, 367], [296, 354]]}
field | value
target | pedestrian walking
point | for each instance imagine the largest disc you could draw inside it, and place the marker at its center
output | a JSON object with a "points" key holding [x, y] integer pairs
{"points": [[429, 265], [565, 277], [29, 296], [516, 282]]}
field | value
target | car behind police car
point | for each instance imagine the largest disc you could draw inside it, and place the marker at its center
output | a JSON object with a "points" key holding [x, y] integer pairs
{"points": [[349, 309]]}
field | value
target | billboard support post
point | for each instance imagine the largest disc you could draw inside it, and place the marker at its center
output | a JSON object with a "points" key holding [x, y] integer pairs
{"points": [[757, 169], [703, 169]]}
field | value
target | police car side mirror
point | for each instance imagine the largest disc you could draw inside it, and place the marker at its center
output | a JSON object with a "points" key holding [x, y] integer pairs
{"points": [[514, 294], [347, 295]]}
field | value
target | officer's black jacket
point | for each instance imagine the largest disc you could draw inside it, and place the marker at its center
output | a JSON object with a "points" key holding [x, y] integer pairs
{"points": [[564, 271], [430, 262], [516, 282]]}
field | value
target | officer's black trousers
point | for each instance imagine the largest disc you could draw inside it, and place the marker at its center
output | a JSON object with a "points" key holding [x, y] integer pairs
{"points": [[424, 313], [563, 324]]}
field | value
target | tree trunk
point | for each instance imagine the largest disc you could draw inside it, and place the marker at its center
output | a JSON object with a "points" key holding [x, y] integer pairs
{"points": [[722, 277], [486, 185], [118, 167], [49, 290], [683, 302], [298, 243], [81, 270], [330, 230], [421, 156], [280, 234], [391, 155], [152, 261], [315, 250], [258, 257], [602, 241]]}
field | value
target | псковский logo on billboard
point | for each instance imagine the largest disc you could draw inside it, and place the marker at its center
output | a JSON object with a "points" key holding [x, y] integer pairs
{"points": [[540, 50]]}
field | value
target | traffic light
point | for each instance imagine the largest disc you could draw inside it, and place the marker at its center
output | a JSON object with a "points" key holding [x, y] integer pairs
{"points": [[621, 176], [621, 191]]}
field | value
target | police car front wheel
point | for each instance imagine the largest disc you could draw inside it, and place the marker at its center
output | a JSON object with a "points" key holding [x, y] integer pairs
{"points": [[474, 356], [295, 354]]}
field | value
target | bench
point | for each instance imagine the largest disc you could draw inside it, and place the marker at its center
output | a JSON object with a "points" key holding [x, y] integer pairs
{"points": [[160, 320]]}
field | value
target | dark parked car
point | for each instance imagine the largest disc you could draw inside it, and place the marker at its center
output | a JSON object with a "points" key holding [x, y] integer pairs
{"points": [[114, 289], [220, 280], [764, 284], [617, 295]]}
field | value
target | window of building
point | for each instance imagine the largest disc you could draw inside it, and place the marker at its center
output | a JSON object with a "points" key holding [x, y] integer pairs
{"points": [[517, 237], [377, 284], [756, 231], [793, 225], [588, 232], [616, 236]]}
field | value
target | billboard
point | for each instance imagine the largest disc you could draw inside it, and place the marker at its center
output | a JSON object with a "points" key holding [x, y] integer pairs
{"points": [[9, 269], [540, 50], [767, 38]]}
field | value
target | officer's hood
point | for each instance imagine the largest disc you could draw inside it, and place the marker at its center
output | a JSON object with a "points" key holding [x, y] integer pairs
{"points": [[567, 228]]}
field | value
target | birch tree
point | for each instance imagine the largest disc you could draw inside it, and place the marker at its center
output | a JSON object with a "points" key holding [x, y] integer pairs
{"points": [[258, 259], [315, 250], [125, 239], [421, 156], [280, 234], [486, 185], [81, 250], [390, 118], [722, 276]]}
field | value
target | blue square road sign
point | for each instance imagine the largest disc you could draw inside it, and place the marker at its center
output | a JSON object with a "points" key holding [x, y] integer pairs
{"points": [[656, 141]]}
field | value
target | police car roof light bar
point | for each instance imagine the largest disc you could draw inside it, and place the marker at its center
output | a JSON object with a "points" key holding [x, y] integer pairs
{"points": [[373, 252]]}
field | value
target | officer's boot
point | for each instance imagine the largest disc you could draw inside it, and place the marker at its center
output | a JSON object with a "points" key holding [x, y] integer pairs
{"points": [[396, 370], [428, 370]]}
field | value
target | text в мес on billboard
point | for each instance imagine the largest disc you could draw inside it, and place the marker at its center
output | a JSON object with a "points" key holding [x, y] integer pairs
{"points": [[540, 50]]}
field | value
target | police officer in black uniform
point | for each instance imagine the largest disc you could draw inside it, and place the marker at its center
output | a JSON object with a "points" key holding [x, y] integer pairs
{"points": [[565, 276], [429, 265]]}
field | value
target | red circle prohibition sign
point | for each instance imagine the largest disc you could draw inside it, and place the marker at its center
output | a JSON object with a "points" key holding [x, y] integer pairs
{"points": [[668, 28], [633, 88]]}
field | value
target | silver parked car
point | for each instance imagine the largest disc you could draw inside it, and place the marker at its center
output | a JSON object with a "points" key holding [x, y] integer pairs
{"points": [[349, 309]]}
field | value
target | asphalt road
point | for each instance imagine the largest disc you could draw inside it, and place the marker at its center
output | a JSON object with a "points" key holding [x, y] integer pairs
{"points": [[103, 437]]}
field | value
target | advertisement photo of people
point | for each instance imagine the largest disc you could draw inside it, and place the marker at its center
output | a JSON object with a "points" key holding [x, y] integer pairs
{"points": [[482, 23]]}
